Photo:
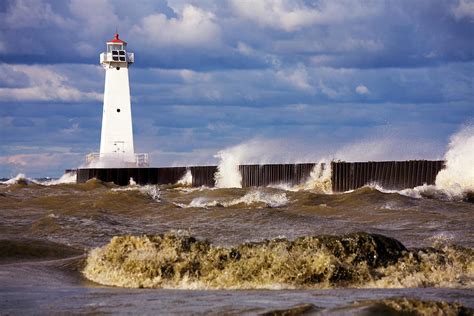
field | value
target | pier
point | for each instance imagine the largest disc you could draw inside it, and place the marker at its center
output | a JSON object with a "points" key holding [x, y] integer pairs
{"points": [[344, 175]]}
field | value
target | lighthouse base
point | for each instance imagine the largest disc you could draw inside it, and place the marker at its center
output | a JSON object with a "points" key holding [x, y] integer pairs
{"points": [[113, 160]]}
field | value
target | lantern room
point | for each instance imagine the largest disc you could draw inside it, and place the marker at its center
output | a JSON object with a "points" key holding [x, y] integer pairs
{"points": [[117, 48], [116, 52]]}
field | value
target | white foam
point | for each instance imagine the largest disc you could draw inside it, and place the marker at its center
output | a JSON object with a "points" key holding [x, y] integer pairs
{"points": [[456, 179], [458, 176], [255, 151], [228, 174], [187, 179], [69, 177], [251, 198], [319, 180], [257, 196], [21, 177], [151, 190]]}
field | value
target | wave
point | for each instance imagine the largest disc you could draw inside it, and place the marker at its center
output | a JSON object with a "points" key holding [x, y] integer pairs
{"points": [[14, 250], [354, 260], [187, 179], [401, 306], [22, 179], [456, 181], [18, 179], [67, 178], [255, 198], [319, 180], [153, 191]]}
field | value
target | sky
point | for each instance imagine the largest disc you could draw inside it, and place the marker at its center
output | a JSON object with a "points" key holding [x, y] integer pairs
{"points": [[283, 81]]}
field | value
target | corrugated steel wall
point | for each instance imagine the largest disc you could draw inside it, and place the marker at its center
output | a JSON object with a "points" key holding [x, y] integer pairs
{"points": [[142, 176], [263, 175], [388, 174], [345, 175], [203, 176]]}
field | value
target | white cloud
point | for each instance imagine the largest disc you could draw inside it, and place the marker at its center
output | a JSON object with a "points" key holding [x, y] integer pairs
{"points": [[388, 148], [297, 77], [329, 92], [293, 15], [193, 27], [44, 83], [95, 18], [33, 13], [194, 76], [245, 49], [361, 89], [37, 160], [464, 9]]}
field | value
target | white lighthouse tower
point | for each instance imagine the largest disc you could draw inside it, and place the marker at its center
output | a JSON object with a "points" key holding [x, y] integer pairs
{"points": [[116, 142]]}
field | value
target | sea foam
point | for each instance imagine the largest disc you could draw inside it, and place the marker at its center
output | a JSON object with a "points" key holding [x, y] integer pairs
{"points": [[355, 260]]}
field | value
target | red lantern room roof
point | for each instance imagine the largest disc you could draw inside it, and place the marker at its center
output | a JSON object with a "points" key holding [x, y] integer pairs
{"points": [[117, 40]]}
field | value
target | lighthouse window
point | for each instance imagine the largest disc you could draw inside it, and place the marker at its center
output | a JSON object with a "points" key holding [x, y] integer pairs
{"points": [[118, 110], [115, 47]]}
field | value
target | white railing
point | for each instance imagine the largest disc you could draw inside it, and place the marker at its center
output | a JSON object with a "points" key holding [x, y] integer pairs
{"points": [[113, 160], [108, 57]]}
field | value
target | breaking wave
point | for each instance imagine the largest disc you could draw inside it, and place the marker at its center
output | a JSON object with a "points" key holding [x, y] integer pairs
{"points": [[18, 179], [456, 181], [354, 260], [187, 179], [319, 180], [254, 198], [22, 179], [152, 191], [66, 178]]}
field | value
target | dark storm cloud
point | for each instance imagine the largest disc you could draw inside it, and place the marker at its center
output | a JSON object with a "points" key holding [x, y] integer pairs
{"points": [[370, 34], [210, 74]]}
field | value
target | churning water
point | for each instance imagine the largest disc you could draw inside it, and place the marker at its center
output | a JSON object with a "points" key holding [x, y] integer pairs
{"points": [[99, 248]]}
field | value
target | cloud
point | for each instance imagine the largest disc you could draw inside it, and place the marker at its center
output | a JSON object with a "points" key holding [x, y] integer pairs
{"points": [[217, 73], [464, 9], [41, 83], [41, 163], [326, 90], [32, 14], [297, 77], [361, 89], [192, 27], [390, 148], [294, 15]]}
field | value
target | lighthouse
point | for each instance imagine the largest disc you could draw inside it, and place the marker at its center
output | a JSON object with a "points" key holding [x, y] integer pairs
{"points": [[116, 142]]}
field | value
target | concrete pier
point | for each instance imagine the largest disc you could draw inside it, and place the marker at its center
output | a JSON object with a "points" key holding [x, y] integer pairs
{"points": [[345, 175]]}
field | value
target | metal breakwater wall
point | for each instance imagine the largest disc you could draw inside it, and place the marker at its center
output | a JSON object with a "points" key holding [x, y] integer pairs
{"points": [[203, 175], [256, 175], [263, 175], [388, 174], [345, 175], [142, 176]]}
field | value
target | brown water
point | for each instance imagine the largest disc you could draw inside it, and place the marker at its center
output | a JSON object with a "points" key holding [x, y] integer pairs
{"points": [[96, 247]]}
